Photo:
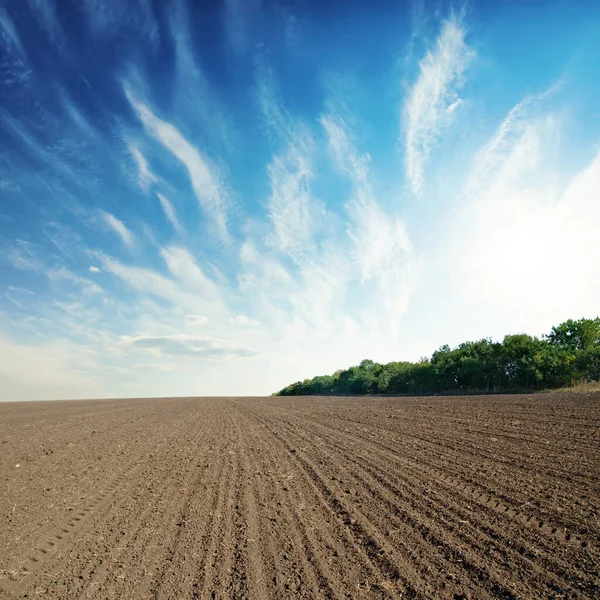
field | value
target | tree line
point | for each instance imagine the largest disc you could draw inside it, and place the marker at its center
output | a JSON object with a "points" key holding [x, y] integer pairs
{"points": [[568, 355]]}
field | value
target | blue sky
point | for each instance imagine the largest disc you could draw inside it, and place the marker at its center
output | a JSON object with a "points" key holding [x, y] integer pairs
{"points": [[223, 198]]}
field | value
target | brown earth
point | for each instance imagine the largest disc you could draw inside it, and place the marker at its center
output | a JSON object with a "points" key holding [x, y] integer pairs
{"points": [[276, 498]]}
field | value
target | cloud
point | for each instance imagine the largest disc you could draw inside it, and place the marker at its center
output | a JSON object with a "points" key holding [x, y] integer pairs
{"points": [[61, 370], [8, 33], [381, 248], [296, 216], [186, 288], [434, 95], [145, 176], [244, 321], [64, 274], [149, 282], [62, 238], [193, 95], [296, 272], [204, 175], [184, 344], [527, 262], [454, 105], [94, 269], [118, 227], [195, 320], [183, 266], [239, 16], [22, 257], [170, 214], [45, 12], [501, 143], [11, 293], [278, 121]]}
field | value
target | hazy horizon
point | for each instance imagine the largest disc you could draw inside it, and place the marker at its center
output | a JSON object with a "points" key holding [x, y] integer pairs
{"points": [[221, 200]]}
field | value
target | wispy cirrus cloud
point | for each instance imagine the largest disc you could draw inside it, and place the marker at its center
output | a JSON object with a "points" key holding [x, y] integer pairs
{"points": [[149, 283], [239, 16], [494, 153], [9, 36], [170, 213], [380, 244], [184, 267], [22, 256], [83, 284], [295, 214], [145, 175], [185, 287], [18, 296], [118, 227], [279, 123], [204, 175], [45, 13], [433, 96]]}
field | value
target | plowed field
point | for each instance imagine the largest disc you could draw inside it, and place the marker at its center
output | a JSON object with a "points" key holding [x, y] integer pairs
{"points": [[276, 498]]}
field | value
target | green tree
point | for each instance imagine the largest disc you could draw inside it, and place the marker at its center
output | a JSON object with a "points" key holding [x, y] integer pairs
{"points": [[576, 335], [570, 353], [519, 368]]}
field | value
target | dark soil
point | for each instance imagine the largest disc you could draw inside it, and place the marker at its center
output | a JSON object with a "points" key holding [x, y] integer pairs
{"points": [[272, 498]]}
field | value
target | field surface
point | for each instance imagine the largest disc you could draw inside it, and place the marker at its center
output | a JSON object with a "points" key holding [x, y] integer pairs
{"points": [[276, 498]]}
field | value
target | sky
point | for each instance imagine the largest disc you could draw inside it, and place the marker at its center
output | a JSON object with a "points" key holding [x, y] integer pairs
{"points": [[222, 198]]}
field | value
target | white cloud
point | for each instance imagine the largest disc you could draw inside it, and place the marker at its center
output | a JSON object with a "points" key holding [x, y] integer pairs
{"points": [[170, 213], [118, 227], [61, 370], [9, 35], [433, 95], [12, 292], [454, 105], [94, 269], [243, 320], [296, 216], [150, 282], [529, 259], [496, 148], [184, 344], [296, 273], [62, 238], [183, 266], [204, 175], [22, 257], [277, 119], [145, 176], [195, 320], [84, 285], [381, 247], [502, 142], [185, 288]]}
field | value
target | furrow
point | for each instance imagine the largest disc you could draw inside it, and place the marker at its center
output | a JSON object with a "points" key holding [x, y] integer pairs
{"points": [[453, 518]]}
